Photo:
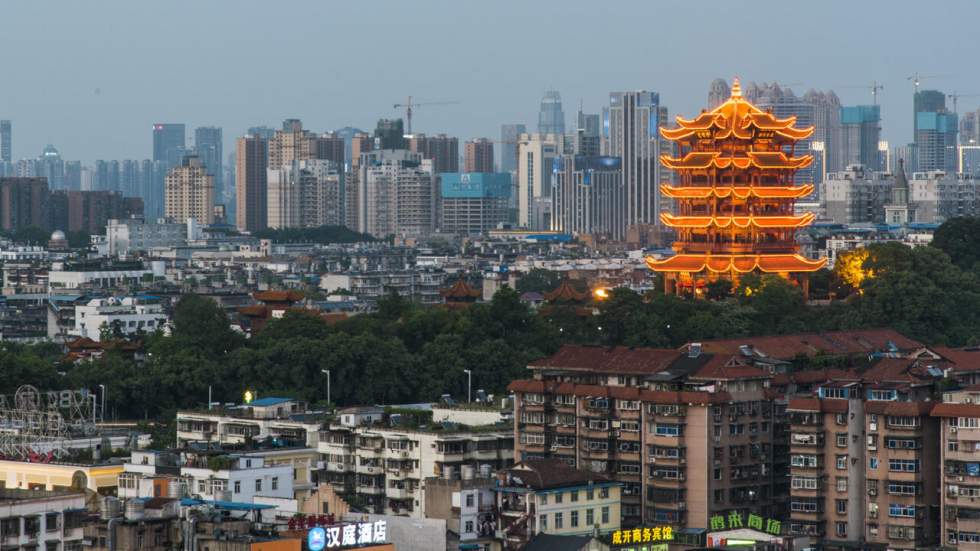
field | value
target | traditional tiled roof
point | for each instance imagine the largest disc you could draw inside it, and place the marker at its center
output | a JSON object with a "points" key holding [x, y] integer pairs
{"points": [[912, 409], [721, 263], [810, 376], [963, 359], [461, 290], [540, 474], [566, 292], [619, 359], [825, 405], [728, 367], [278, 296], [618, 392], [956, 410], [787, 347]]}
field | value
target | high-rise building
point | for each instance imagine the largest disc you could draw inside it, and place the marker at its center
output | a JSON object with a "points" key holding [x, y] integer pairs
{"points": [[23, 203], [208, 146], [632, 119], [826, 129], [509, 135], [478, 155], [718, 92], [535, 158], [935, 132], [857, 195], [6, 149], [587, 140], [970, 128], [90, 211], [859, 136], [360, 143], [330, 146], [169, 143], [783, 103], [443, 150], [735, 211], [390, 134], [264, 132], [551, 117], [51, 166], [293, 143], [189, 192], [474, 202], [251, 158], [306, 194], [396, 194], [588, 196]]}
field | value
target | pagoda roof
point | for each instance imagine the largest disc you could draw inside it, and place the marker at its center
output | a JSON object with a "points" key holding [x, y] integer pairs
{"points": [[757, 159], [461, 290], [566, 293], [792, 221], [770, 263], [737, 118], [739, 192], [278, 296]]}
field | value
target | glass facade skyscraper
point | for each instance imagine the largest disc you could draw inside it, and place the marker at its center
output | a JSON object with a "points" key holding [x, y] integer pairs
{"points": [[551, 118]]}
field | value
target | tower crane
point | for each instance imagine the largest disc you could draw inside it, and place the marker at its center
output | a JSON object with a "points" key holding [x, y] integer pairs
{"points": [[916, 79], [955, 96], [410, 105], [874, 87]]}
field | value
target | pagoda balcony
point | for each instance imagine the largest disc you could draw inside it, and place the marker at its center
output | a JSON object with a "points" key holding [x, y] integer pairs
{"points": [[735, 248]]}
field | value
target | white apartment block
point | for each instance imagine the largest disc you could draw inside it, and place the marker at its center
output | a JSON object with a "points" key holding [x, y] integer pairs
{"points": [[127, 316], [535, 156], [47, 521], [396, 194], [264, 418], [189, 192], [306, 194]]}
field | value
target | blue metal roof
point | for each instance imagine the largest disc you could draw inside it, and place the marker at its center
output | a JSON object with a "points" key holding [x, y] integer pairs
{"points": [[270, 401], [230, 505]]}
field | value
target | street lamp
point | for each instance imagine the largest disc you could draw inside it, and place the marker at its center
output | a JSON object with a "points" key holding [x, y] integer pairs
{"points": [[327, 372], [102, 387], [469, 385]]}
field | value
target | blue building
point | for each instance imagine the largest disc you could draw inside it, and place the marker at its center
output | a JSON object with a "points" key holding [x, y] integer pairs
{"points": [[474, 202], [860, 134]]}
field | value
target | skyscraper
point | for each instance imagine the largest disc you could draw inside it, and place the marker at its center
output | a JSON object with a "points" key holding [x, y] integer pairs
{"points": [[169, 143], [588, 196], [23, 203], [535, 158], [551, 118], [478, 156], [826, 128], [718, 92], [189, 192], [935, 132], [6, 151], [859, 137], [632, 120], [208, 147], [306, 194], [442, 149], [390, 134], [784, 103], [588, 137], [251, 158], [509, 134], [473, 202], [396, 195]]}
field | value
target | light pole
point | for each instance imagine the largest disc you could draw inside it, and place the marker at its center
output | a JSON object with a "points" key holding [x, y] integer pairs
{"points": [[102, 387], [469, 385], [327, 372]]}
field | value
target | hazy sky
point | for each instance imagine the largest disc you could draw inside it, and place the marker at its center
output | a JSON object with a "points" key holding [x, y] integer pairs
{"points": [[91, 77]]}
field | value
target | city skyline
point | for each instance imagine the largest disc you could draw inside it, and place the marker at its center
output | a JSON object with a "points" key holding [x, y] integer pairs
{"points": [[93, 93]]}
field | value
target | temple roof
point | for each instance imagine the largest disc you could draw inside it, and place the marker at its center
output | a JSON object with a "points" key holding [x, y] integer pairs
{"points": [[772, 263], [758, 159], [739, 192], [791, 221], [566, 293], [737, 118], [461, 290]]}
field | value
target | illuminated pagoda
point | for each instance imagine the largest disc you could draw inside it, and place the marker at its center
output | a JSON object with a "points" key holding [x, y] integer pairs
{"points": [[734, 195]]}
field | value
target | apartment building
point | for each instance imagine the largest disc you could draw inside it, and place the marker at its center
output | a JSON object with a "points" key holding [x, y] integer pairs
{"points": [[118, 316], [688, 434], [547, 496], [273, 417], [959, 430], [37, 519], [865, 457], [385, 465]]}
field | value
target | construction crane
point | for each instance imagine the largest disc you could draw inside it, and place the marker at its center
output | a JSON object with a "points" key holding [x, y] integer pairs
{"points": [[410, 105], [875, 87], [916, 79], [955, 96]]}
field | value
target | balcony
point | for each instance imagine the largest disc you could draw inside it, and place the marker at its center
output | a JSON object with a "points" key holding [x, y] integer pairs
{"points": [[369, 469], [371, 490], [405, 492]]}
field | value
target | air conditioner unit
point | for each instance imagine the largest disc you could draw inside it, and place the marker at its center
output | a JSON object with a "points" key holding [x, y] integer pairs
{"points": [[952, 430]]}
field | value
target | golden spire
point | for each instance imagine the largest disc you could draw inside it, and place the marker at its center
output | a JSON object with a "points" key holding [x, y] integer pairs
{"points": [[736, 88]]}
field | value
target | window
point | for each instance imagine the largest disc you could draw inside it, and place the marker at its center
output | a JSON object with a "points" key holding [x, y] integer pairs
{"points": [[630, 426], [903, 465], [840, 528], [238, 486], [717, 474], [565, 399], [901, 510], [590, 517], [590, 494], [574, 519], [841, 483], [574, 495], [965, 422], [841, 419], [661, 429], [603, 493], [833, 392], [883, 395], [628, 468], [200, 487], [631, 405], [605, 515], [841, 439], [841, 506], [559, 521], [536, 417], [841, 462], [258, 484], [804, 483], [735, 429], [902, 488], [807, 461], [469, 501], [532, 438], [543, 499], [559, 497], [543, 522], [534, 398], [275, 483], [953, 445], [872, 462], [598, 424], [902, 421], [469, 526], [872, 487], [803, 506]]}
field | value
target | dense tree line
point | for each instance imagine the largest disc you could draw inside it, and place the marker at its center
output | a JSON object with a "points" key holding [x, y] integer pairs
{"points": [[408, 353]]}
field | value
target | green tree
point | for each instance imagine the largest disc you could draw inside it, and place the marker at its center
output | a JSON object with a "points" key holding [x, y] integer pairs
{"points": [[959, 238], [539, 281]]}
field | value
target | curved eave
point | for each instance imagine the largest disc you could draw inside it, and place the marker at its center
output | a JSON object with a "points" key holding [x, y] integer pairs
{"points": [[766, 160], [737, 221], [762, 192], [771, 263]]}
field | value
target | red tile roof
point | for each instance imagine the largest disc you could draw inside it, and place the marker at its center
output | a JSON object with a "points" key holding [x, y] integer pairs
{"points": [[566, 293], [964, 359], [278, 296], [618, 359], [810, 376], [956, 410], [727, 367], [826, 405], [552, 473], [787, 347], [618, 392], [461, 290], [912, 409]]}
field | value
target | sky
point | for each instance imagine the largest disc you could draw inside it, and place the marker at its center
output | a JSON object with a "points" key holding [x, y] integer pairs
{"points": [[92, 77]]}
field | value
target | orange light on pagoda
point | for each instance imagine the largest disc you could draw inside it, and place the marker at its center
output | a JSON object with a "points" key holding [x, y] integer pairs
{"points": [[735, 192]]}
